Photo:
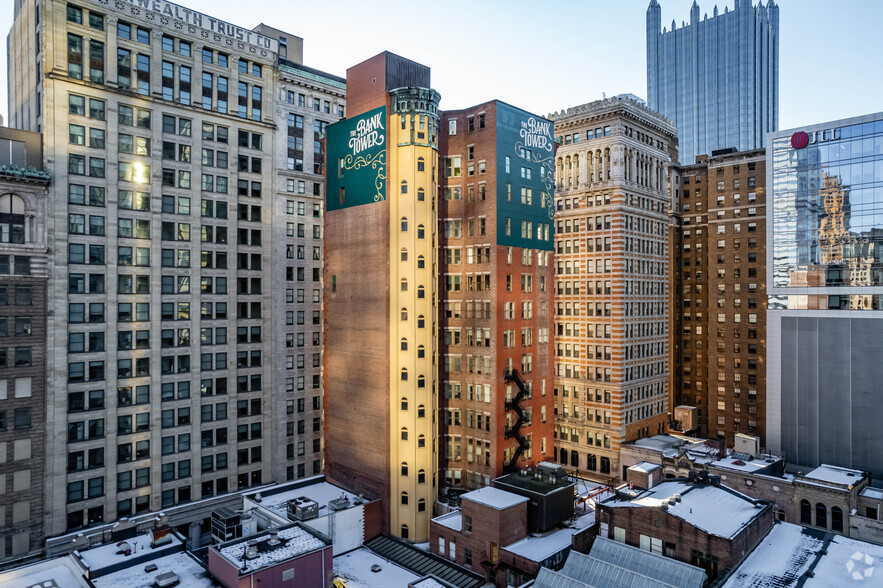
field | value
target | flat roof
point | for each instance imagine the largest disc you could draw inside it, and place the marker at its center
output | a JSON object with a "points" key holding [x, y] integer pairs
{"points": [[354, 568], [734, 463], [834, 569], [645, 466], [299, 541], [60, 570], [539, 548], [537, 481], [494, 498], [188, 569], [716, 510], [835, 474], [98, 558], [321, 491], [871, 492], [452, 520]]}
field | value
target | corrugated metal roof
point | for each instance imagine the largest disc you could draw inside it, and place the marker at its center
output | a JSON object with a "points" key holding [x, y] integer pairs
{"points": [[549, 579], [423, 563]]}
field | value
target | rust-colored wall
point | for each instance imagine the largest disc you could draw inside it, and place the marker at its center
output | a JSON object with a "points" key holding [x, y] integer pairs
{"points": [[366, 85], [357, 349]]}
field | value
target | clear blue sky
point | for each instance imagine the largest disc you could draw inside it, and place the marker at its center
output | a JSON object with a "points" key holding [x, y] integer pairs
{"points": [[546, 56]]}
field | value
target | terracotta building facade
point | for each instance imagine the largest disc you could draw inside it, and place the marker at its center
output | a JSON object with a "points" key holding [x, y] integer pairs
{"points": [[613, 175]]}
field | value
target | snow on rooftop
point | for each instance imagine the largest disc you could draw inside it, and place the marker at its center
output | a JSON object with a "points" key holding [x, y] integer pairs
{"points": [[836, 475], [355, 570], [428, 583], [539, 548], [785, 554], [644, 466], [834, 568], [715, 510], [60, 570], [494, 498], [322, 492], [870, 492], [99, 558], [190, 573], [732, 463], [452, 520], [300, 542]]}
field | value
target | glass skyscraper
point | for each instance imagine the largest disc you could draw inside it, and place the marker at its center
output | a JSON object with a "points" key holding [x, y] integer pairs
{"points": [[716, 78], [825, 281]]}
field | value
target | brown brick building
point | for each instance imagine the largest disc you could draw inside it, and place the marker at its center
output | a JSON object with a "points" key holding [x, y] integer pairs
{"points": [[23, 308], [613, 171], [719, 277], [495, 296]]}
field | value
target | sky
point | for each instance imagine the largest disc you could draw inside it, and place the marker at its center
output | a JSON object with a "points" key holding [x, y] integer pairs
{"points": [[572, 53]]}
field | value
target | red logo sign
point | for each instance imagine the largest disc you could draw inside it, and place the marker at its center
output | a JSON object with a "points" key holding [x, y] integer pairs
{"points": [[799, 140]]}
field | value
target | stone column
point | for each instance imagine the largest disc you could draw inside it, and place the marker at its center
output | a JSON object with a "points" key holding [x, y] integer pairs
{"points": [[111, 50]]}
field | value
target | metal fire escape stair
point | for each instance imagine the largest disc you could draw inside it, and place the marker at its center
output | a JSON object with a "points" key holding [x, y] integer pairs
{"points": [[512, 376]]}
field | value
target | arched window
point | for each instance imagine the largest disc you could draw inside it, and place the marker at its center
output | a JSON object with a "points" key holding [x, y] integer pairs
{"points": [[421, 351], [421, 505], [405, 498], [821, 515], [563, 456], [404, 284], [404, 403], [421, 262], [421, 292], [404, 433], [420, 232], [421, 477], [12, 219], [404, 531], [421, 382], [404, 254], [421, 322], [421, 411], [805, 512], [836, 519], [421, 165], [404, 314], [404, 468], [404, 224], [404, 344], [421, 441], [421, 195], [404, 187], [404, 374]]}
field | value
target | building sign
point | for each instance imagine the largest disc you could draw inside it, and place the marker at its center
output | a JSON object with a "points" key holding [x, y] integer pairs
{"points": [[356, 170], [191, 17], [799, 140], [525, 179]]}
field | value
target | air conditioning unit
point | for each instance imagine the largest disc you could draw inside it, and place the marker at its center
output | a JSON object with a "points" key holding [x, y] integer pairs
{"points": [[749, 444], [341, 503], [166, 580], [687, 417], [302, 509]]}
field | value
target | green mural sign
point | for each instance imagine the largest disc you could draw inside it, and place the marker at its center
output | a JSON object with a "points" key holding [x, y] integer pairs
{"points": [[356, 170]]}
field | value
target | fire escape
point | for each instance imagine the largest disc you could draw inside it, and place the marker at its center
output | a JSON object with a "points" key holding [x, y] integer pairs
{"points": [[509, 377]]}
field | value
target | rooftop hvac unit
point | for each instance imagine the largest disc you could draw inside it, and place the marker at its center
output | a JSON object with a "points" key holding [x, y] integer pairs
{"points": [[687, 417], [749, 444], [302, 509], [166, 580], [226, 525], [341, 503]]}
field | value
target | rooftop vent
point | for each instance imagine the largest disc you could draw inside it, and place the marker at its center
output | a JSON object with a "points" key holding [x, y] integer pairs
{"points": [[677, 497], [166, 580], [339, 503], [251, 550], [376, 568], [273, 541]]}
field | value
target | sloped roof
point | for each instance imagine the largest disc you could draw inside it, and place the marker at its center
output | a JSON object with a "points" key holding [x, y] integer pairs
{"points": [[422, 563]]}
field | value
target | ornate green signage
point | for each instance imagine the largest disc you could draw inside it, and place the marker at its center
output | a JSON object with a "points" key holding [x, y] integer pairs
{"points": [[356, 171]]}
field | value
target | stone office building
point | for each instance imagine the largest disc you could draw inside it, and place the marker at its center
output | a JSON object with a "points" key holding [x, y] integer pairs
{"points": [[613, 174], [160, 131], [23, 305]]}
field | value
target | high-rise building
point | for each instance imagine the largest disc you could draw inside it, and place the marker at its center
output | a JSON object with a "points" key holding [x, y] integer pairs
{"points": [[613, 177], [23, 273], [170, 194], [716, 78], [495, 292], [824, 273], [719, 277], [381, 275]]}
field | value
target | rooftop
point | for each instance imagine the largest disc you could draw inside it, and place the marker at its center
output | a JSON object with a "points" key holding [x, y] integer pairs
{"points": [[452, 520], [105, 556], [743, 465], [60, 572], [494, 498], [869, 492], [295, 541], [716, 510], [615, 564], [836, 475], [190, 573], [354, 568], [645, 466], [423, 563], [538, 481], [317, 489], [834, 569], [544, 546]]}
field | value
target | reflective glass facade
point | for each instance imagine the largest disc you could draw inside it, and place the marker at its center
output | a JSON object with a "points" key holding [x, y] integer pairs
{"points": [[828, 218], [716, 78]]}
